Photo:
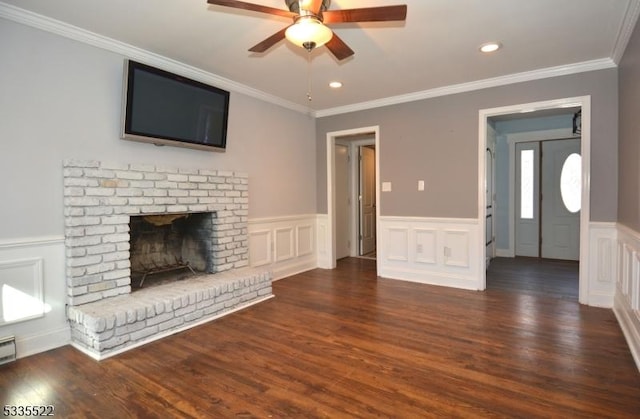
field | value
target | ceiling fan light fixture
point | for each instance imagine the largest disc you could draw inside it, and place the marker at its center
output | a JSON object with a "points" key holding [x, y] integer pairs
{"points": [[308, 32]]}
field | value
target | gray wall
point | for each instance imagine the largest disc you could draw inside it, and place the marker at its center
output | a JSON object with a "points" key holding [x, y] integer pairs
{"points": [[437, 140], [629, 152], [61, 99]]}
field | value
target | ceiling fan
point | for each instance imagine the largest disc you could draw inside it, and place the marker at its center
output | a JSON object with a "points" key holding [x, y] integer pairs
{"points": [[308, 29]]}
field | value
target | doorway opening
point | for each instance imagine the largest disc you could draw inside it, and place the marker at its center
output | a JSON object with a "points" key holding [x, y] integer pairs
{"points": [[502, 211], [353, 193]]}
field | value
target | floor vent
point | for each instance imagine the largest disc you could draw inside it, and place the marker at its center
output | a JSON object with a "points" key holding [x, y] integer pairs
{"points": [[7, 349]]}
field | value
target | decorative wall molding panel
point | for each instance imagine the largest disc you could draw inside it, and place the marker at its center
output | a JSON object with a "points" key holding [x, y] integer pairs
{"points": [[434, 251], [284, 245], [322, 242], [602, 264], [32, 293], [626, 304]]}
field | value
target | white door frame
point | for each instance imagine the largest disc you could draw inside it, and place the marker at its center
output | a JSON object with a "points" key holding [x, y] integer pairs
{"points": [[331, 174], [585, 146]]}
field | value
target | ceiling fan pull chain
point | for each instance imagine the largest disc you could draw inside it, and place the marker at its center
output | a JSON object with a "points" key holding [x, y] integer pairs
{"points": [[309, 85]]}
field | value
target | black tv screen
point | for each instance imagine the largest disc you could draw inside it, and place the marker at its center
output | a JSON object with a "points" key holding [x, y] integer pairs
{"points": [[167, 109]]}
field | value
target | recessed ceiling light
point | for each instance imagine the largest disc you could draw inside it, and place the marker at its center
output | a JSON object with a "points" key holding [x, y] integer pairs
{"points": [[335, 84], [490, 46]]}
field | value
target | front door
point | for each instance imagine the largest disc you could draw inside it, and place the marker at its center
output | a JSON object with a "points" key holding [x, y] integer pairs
{"points": [[561, 199], [548, 198]]}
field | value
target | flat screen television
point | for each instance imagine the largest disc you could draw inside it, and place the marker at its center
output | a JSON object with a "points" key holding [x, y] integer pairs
{"points": [[163, 108]]}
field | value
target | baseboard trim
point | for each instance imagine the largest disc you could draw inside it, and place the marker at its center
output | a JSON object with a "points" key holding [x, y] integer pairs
{"points": [[42, 342], [431, 278], [628, 330]]}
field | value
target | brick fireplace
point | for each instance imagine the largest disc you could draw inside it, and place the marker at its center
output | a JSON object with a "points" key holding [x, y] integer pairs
{"points": [[100, 200]]}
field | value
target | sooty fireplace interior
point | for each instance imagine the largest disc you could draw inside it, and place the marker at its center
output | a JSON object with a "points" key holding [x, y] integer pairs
{"points": [[170, 247]]}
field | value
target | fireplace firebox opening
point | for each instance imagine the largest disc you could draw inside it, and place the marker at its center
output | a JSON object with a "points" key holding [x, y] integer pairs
{"points": [[170, 247]]}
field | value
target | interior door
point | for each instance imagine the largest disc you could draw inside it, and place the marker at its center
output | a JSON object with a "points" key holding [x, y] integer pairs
{"points": [[561, 198], [367, 199], [342, 201], [527, 219], [489, 236]]}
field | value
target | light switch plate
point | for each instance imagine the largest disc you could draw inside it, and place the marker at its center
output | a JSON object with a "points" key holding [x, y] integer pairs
{"points": [[386, 186], [421, 185]]}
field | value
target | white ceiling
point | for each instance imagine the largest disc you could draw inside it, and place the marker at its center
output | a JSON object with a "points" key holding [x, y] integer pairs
{"points": [[434, 51]]}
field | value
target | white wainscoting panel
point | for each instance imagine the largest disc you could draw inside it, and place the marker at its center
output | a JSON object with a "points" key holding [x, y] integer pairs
{"points": [[21, 290], [286, 245], [396, 243], [33, 294], [602, 264], [322, 242], [426, 245], [434, 251], [260, 249], [627, 288], [304, 240]]}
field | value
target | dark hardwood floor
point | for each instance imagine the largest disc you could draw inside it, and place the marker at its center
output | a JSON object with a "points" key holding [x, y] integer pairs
{"points": [[533, 276], [343, 344]]}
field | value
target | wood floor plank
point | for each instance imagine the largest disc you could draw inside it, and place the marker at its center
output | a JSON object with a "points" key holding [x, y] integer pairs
{"points": [[345, 343]]}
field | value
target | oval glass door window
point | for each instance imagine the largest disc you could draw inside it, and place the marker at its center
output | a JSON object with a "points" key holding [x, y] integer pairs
{"points": [[571, 182]]}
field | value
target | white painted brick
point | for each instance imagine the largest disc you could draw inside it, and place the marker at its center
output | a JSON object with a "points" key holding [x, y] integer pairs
{"points": [[100, 268], [72, 173], [155, 176], [128, 192], [112, 201], [115, 219], [102, 248], [117, 274], [115, 256], [166, 185], [143, 333], [177, 177], [98, 173], [93, 211], [125, 174], [99, 191], [170, 324], [151, 209], [99, 230], [197, 178], [177, 208], [141, 184], [114, 165], [155, 192], [188, 171], [71, 191], [101, 286], [83, 261], [115, 238], [178, 193], [81, 201], [130, 210], [140, 201]]}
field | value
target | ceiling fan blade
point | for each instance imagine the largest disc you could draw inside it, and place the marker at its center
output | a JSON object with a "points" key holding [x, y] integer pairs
{"points": [[338, 48], [269, 42], [252, 7], [366, 14]]}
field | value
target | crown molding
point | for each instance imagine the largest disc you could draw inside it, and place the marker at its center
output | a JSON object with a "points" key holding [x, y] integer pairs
{"points": [[626, 30], [54, 26], [75, 33], [544, 73]]}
